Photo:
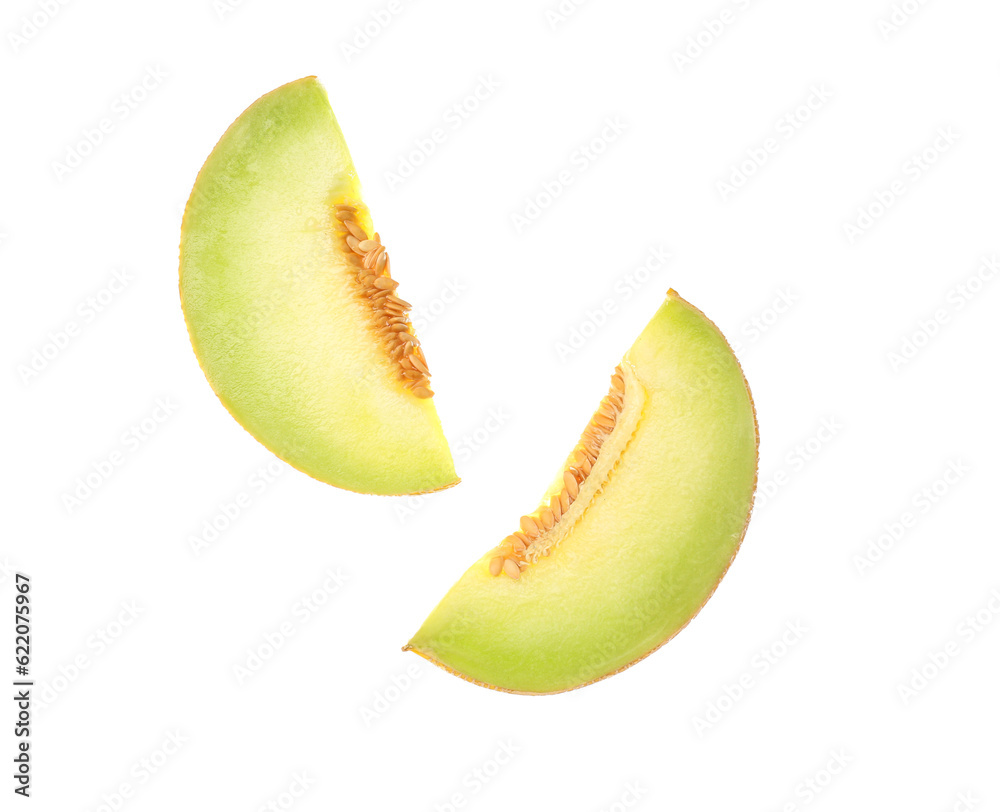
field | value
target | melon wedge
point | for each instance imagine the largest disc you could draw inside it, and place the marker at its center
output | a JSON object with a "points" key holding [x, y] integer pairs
{"points": [[632, 538], [301, 334]]}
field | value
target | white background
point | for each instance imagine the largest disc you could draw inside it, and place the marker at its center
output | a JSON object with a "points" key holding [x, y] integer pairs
{"points": [[368, 726]]}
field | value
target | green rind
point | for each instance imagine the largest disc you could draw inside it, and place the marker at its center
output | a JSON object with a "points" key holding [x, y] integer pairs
{"points": [[273, 315], [646, 555]]}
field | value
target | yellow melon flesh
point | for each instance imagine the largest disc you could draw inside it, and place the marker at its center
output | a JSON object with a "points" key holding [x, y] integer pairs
{"points": [[653, 530], [273, 308]]}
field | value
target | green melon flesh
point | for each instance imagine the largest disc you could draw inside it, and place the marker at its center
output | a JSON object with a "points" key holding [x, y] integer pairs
{"points": [[273, 311], [650, 545]]}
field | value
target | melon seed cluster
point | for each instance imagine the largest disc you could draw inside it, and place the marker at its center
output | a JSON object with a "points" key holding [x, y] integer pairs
{"points": [[389, 312], [511, 555]]}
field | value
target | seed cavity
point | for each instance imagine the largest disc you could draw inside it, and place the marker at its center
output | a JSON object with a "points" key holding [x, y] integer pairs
{"points": [[356, 231], [530, 527], [389, 313], [511, 556], [511, 568]]}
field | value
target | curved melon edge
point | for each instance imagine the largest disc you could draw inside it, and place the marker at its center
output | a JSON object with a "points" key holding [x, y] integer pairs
{"points": [[672, 295], [191, 339]]}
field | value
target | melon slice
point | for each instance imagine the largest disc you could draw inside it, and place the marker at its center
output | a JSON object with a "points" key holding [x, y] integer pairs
{"points": [[632, 537], [292, 310]]}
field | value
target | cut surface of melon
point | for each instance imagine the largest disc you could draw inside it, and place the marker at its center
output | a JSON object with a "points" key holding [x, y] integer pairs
{"points": [[283, 329], [653, 528]]}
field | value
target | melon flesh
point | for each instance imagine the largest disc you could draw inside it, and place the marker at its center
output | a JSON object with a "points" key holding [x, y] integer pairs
{"points": [[655, 536], [273, 311]]}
